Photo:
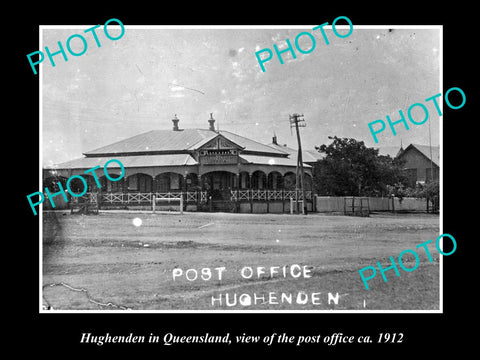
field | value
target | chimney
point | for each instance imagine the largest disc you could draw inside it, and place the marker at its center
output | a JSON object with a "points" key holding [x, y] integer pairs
{"points": [[274, 139], [211, 121], [175, 123]]}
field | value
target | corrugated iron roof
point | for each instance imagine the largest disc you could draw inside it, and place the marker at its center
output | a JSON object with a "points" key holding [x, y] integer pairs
{"points": [[249, 144], [154, 141], [270, 160], [129, 161], [425, 150], [169, 140], [308, 155]]}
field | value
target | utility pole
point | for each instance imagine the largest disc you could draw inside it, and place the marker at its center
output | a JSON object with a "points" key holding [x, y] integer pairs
{"points": [[298, 121], [431, 165]]}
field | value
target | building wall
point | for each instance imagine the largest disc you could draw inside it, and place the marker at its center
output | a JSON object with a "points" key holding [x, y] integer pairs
{"points": [[416, 160]]}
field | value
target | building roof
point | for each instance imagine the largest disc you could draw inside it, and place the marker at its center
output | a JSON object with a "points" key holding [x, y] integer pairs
{"points": [[269, 160], [129, 161], [169, 141], [165, 160], [176, 148], [424, 150], [309, 156]]}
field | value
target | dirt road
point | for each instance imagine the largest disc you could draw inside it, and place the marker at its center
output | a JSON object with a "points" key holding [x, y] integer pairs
{"points": [[111, 262]]}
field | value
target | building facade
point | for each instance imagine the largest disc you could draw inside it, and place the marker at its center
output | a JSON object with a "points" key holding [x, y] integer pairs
{"points": [[210, 170], [421, 163]]}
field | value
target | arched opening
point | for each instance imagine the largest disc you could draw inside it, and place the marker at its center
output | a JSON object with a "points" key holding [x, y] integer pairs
{"points": [[119, 186], [139, 182], [218, 184], [275, 181], [308, 182], [77, 186], [259, 180], [192, 182], [244, 179], [162, 183], [51, 183], [167, 182], [289, 181]]}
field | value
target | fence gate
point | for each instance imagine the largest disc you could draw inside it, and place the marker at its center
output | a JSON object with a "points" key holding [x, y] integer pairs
{"points": [[356, 206]]}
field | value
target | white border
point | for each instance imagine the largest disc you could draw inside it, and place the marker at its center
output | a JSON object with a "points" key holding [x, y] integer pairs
{"points": [[441, 168], [259, 27]]}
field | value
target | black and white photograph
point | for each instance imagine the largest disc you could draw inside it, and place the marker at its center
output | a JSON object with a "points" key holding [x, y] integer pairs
{"points": [[238, 178], [187, 172]]}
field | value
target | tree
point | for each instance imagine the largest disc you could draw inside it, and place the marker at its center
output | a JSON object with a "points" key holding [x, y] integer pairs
{"points": [[352, 169], [429, 191], [432, 194]]}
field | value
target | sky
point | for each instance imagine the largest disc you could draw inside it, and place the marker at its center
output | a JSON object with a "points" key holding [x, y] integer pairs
{"points": [[141, 81]]}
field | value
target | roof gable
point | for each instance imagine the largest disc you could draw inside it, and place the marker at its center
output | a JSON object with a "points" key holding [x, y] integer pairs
{"points": [[424, 150], [129, 161], [218, 142]]}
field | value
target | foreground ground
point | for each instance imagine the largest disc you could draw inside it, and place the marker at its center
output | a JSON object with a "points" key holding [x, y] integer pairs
{"points": [[106, 262]]}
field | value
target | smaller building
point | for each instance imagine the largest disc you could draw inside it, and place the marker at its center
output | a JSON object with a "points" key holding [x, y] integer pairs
{"points": [[421, 161]]}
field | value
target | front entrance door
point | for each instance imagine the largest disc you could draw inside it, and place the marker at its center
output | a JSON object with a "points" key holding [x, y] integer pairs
{"points": [[218, 184]]}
